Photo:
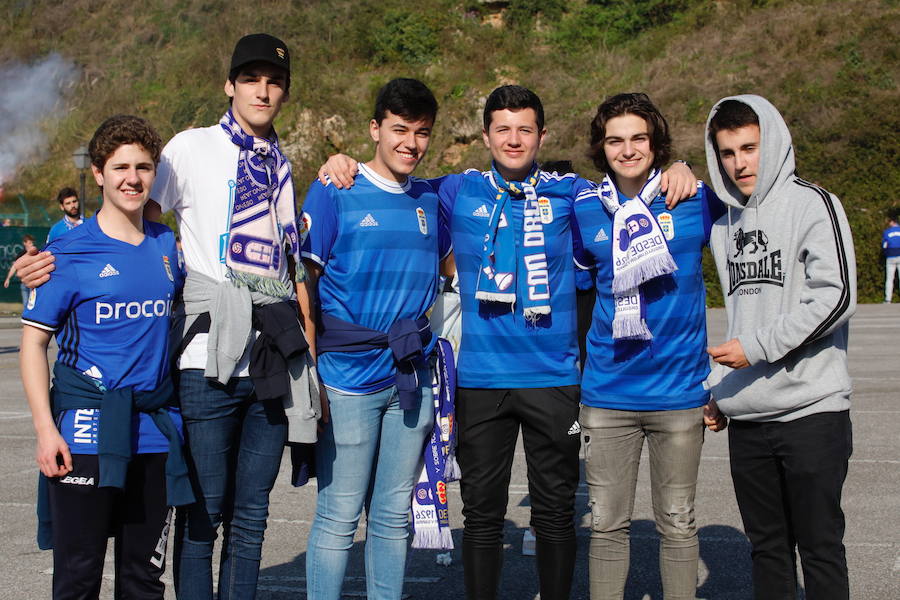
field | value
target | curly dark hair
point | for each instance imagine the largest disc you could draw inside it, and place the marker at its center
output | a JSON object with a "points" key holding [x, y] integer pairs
{"points": [[636, 103], [121, 130]]}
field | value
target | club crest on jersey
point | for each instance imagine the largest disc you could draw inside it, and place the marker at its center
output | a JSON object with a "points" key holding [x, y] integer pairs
{"points": [[423, 222], [545, 210], [32, 297], [667, 225], [168, 268], [305, 226]]}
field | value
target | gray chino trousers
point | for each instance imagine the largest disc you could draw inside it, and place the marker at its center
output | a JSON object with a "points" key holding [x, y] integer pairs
{"points": [[613, 443]]}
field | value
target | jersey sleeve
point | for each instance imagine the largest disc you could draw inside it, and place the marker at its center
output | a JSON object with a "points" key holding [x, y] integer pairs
{"points": [[713, 209], [49, 305], [581, 218], [446, 188], [168, 188], [319, 223]]}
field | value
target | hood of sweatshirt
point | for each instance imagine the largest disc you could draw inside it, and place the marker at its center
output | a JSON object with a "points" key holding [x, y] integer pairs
{"points": [[776, 155]]}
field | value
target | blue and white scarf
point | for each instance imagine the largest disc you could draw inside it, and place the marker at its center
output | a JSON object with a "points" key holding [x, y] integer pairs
{"points": [[264, 214], [430, 512], [639, 253], [504, 270]]}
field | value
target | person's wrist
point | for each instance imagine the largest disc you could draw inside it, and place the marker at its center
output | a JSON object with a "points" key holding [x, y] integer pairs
{"points": [[685, 163]]}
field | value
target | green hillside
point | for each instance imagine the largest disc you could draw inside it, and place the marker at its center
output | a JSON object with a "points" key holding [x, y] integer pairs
{"points": [[831, 67]]}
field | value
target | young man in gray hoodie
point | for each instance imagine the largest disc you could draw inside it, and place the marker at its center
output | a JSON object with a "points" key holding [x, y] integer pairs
{"points": [[785, 260]]}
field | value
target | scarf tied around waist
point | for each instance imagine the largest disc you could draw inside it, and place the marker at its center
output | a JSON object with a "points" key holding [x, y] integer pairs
{"points": [[73, 390], [503, 276], [639, 253], [263, 214]]}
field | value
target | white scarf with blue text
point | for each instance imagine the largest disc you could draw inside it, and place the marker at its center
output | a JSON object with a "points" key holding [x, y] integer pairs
{"points": [[639, 253]]}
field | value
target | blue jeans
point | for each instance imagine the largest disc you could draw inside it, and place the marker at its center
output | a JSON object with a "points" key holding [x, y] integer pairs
{"points": [[368, 455], [235, 444]]}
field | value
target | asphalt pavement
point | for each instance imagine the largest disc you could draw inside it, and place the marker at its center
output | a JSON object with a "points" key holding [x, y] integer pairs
{"points": [[871, 502]]}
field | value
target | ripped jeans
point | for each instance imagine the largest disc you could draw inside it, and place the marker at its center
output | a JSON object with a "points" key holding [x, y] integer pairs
{"points": [[613, 443]]}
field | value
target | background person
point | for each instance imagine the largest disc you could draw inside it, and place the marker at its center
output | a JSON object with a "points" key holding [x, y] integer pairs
{"points": [[27, 245], [890, 247], [70, 206]]}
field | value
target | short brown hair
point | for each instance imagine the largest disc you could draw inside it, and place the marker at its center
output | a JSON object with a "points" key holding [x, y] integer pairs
{"points": [[636, 103], [731, 115], [121, 130]]}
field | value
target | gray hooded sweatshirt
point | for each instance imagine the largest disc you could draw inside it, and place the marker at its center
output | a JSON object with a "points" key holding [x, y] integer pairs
{"points": [[788, 272]]}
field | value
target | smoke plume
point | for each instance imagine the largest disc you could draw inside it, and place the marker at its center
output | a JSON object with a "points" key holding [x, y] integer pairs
{"points": [[31, 97]]}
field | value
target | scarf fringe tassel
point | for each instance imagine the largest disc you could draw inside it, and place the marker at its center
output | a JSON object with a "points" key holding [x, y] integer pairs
{"points": [[644, 271], [495, 296], [435, 540], [631, 329], [264, 285]]}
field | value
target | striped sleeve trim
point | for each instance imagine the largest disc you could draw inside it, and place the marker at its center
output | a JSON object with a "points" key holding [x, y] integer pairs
{"points": [[585, 194], [39, 325], [843, 303], [313, 257]]}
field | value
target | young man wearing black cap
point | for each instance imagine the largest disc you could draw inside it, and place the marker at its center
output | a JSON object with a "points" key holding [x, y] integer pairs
{"points": [[230, 187]]}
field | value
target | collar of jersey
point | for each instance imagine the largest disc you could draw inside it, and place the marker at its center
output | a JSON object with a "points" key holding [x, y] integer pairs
{"points": [[384, 184]]}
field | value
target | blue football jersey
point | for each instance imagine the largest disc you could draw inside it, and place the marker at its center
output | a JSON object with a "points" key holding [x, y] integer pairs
{"points": [[109, 303], [667, 372], [500, 348], [379, 247]]}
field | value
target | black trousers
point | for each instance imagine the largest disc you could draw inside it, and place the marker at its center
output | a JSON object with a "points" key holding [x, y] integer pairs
{"points": [[85, 516], [489, 421], [788, 479]]}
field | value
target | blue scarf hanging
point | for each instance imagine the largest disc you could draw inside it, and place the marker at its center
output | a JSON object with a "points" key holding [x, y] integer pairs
{"points": [[504, 265]]}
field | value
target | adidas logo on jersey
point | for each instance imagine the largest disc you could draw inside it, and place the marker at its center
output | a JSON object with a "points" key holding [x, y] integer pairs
{"points": [[368, 221], [481, 211], [108, 271], [77, 480], [94, 372], [575, 429], [601, 236]]}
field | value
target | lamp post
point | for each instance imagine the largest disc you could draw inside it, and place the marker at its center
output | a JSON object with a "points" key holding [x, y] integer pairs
{"points": [[82, 161]]}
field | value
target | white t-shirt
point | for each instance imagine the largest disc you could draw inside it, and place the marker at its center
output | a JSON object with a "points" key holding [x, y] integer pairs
{"points": [[196, 178]]}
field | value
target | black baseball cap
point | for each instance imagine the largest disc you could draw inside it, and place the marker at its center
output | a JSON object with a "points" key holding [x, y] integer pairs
{"points": [[261, 47]]}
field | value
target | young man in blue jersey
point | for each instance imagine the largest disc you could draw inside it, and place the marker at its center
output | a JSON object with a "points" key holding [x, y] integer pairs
{"points": [[108, 435], [373, 253], [518, 359], [231, 190], [890, 247], [646, 360], [785, 258]]}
